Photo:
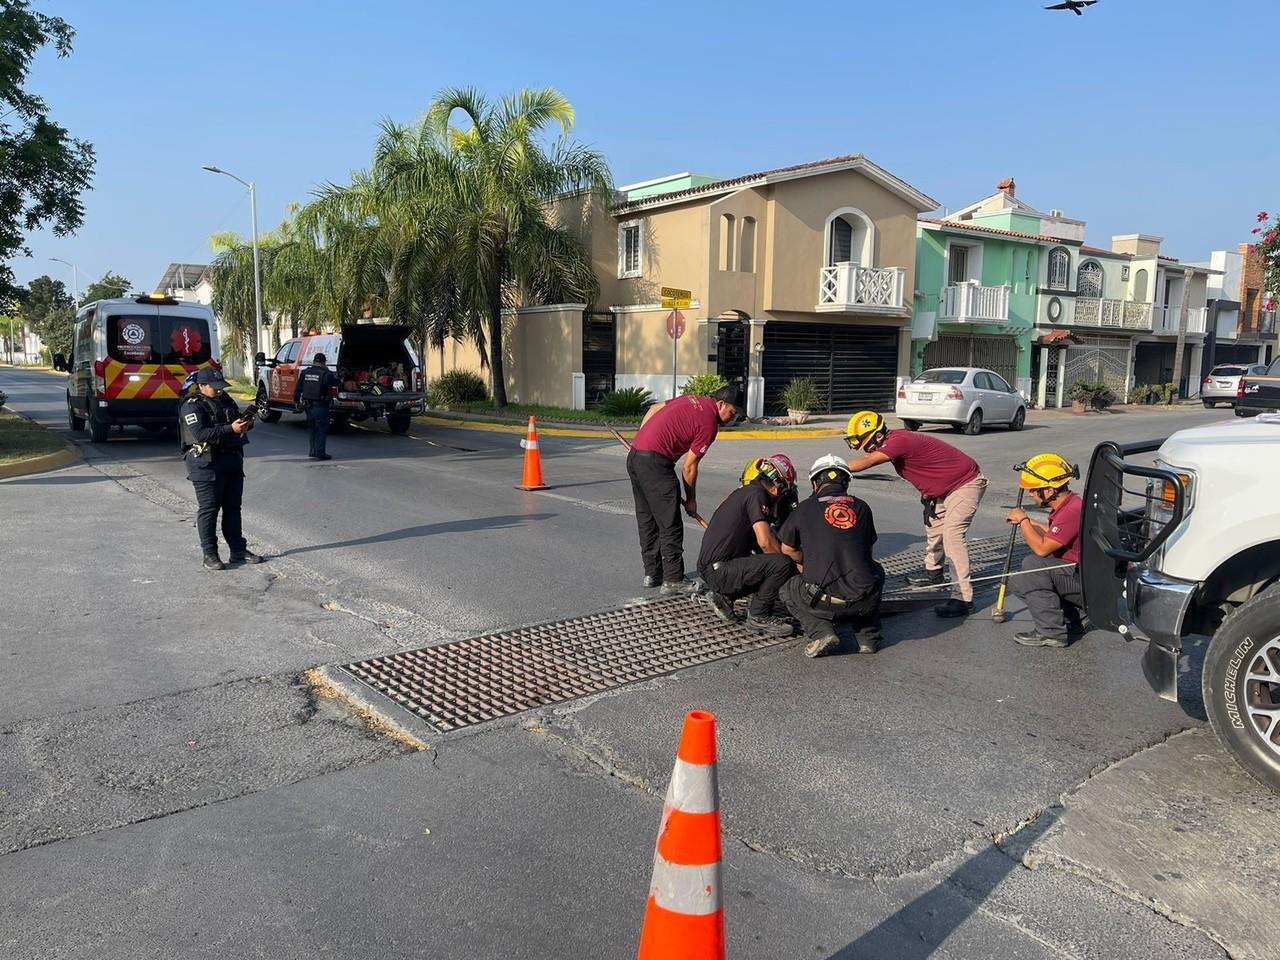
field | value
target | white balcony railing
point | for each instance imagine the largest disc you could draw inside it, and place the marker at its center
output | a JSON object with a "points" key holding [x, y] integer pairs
{"points": [[847, 287], [973, 303], [1115, 314], [1164, 320]]}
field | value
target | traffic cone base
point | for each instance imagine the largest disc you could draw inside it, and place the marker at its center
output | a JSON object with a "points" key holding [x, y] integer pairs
{"points": [[532, 479]]}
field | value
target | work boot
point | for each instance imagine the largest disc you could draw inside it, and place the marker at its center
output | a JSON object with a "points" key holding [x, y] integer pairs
{"points": [[246, 556], [1034, 638], [822, 644], [213, 562], [723, 607], [324, 456], [954, 608], [868, 644], [766, 624], [651, 581], [928, 578], [681, 588]]}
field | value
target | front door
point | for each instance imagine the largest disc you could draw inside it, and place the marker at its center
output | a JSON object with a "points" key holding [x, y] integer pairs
{"points": [[731, 351]]}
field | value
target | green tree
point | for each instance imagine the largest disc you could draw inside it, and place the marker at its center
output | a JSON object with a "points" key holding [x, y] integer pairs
{"points": [[1268, 248], [43, 170], [108, 286], [47, 309]]}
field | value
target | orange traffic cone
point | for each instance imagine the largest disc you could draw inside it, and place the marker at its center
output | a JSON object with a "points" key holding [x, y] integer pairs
{"points": [[532, 460], [684, 917]]}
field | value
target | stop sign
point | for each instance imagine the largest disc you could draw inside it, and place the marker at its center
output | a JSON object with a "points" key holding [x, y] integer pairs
{"points": [[675, 325]]}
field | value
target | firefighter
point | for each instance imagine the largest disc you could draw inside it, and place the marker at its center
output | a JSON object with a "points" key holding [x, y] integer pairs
{"points": [[740, 554], [789, 496], [214, 434], [1049, 583], [830, 536], [684, 427], [315, 385], [951, 486]]}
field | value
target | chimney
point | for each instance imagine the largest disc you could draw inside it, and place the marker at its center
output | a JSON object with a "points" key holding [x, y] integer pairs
{"points": [[1007, 186]]}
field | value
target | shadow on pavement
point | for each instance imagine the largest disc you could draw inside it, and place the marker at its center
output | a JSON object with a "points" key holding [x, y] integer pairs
{"points": [[428, 530], [920, 927], [79, 478]]}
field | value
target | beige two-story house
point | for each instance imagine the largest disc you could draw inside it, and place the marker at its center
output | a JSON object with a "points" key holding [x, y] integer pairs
{"points": [[802, 271]]}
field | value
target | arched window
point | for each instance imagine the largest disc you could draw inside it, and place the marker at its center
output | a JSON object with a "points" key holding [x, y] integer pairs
{"points": [[1140, 286], [1059, 268], [850, 238], [1089, 280], [747, 247], [727, 230]]}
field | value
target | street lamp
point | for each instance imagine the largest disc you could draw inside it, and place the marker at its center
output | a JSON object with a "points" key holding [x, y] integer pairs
{"points": [[75, 279], [257, 272]]}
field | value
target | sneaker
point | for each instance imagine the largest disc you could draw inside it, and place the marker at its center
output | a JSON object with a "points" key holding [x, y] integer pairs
{"points": [[822, 645], [954, 608], [681, 588], [868, 644], [213, 562], [246, 556], [723, 607], [927, 578], [1033, 638], [768, 625], [650, 581]]}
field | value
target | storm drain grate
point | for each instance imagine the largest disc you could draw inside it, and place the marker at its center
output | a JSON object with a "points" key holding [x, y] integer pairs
{"points": [[472, 681]]}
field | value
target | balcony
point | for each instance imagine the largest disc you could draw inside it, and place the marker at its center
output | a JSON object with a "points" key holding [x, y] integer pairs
{"points": [[1165, 320], [849, 288], [972, 303], [1111, 314]]}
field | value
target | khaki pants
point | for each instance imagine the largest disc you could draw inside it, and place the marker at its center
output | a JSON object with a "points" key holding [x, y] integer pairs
{"points": [[945, 536]]}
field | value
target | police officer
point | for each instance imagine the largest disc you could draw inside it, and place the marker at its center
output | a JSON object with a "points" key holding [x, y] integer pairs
{"points": [[213, 437], [314, 385], [830, 535]]}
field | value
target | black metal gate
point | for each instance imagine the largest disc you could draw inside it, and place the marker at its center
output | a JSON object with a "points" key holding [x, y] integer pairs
{"points": [[599, 355], [731, 351], [854, 367], [959, 350]]}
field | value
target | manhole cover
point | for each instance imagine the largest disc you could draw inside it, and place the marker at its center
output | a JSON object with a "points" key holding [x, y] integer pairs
{"points": [[466, 682]]}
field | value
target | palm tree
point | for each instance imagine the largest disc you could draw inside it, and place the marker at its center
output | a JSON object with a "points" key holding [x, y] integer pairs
{"points": [[487, 189], [233, 301]]}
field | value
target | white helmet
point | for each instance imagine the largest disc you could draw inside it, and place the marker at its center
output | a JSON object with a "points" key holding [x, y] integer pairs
{"points": [[830, 462]]}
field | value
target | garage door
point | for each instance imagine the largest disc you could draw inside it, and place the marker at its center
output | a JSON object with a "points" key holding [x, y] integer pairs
{"points": [[994, 353], [855, 368]]}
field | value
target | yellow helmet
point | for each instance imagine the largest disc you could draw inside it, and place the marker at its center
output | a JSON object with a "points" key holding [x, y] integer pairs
{"points": [[866, 431], [1046, 470], [761, 465], [750, 471]]}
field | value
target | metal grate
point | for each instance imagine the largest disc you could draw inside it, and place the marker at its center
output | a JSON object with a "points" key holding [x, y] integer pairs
{"points": [[466, 682]]}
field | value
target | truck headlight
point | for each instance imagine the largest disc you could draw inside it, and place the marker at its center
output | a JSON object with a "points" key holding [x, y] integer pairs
{"points": [[1161, 495]]}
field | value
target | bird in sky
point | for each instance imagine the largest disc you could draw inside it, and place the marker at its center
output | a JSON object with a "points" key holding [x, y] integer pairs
{"points": [[1075, 6]]}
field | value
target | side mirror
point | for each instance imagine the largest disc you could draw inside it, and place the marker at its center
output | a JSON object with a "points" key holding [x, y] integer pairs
{"points": [[260, 359], [60, 361]]}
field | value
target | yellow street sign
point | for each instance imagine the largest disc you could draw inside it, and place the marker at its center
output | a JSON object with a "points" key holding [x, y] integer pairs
{"points": [[673, 298]]}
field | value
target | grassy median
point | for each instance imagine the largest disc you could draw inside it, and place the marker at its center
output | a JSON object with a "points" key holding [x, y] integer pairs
{"points": [[20, 439]]}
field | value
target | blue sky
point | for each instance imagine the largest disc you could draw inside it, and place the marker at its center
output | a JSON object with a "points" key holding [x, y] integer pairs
{"points": [[1142, 115]]}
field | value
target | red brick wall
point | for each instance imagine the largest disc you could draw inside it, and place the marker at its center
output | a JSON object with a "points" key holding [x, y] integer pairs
{"points": [[1251, 293]]}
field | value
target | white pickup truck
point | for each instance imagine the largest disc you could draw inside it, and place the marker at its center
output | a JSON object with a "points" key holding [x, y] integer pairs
{"points": [[1191, 545]]}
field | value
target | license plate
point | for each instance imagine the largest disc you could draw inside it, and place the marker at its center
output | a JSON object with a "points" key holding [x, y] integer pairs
{"points": [[1223, 383], [924, 396]]}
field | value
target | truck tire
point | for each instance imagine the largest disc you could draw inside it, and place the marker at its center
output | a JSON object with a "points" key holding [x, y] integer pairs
{"points": [[1241, 686], [74, 422], [265, 413], [399, 422], [98, 429]]}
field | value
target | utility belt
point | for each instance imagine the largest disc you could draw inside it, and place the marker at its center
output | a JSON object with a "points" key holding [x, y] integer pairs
{"points": [[815, 596]]}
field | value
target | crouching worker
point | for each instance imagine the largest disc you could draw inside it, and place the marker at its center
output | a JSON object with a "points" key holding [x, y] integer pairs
{"points": [[1049, 583], [830, 535], [727, 561]]}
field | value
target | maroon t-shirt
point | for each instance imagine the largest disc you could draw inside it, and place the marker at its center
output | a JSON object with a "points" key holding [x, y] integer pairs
{"points": [[683, 425], [931, 466], [1064, 527]]}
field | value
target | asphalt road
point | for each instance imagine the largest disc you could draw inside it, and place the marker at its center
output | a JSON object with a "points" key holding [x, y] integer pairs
{"points": [[171, 786]]}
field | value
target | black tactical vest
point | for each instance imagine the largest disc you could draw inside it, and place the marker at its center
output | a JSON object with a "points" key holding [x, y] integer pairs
{"points": [[313, 383]]}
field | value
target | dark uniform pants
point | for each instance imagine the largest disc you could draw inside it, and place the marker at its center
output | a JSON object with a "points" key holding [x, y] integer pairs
{"points": [[318, 421], [763, 576], [222, 492], [820, 616], [657, 495], [1052, 596]]}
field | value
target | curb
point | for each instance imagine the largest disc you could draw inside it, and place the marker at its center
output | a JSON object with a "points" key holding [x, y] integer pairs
{"points": [[548, 431], [41, 464]]}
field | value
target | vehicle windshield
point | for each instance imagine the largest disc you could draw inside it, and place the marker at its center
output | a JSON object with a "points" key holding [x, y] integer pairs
{"points": [[158, 339], [941, 376], [1227, 372]]}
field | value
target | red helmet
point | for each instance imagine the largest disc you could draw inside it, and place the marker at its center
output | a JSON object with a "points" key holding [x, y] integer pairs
{"points": [[785, 467]]}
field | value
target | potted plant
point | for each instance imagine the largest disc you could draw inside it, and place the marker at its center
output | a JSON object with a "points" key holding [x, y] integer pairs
{"points": [[800, 397], [1168, 394], [1081, 396], [1103, 396]]}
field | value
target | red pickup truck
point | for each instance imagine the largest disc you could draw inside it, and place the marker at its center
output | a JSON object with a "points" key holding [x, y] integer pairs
{"points": [[380, 375]]}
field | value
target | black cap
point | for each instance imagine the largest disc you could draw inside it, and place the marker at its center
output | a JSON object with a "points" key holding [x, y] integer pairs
{"points": [[211, 377], [730, 395], [318, 358]]}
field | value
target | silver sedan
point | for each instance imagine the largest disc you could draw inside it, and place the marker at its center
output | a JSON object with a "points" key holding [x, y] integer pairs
{"points": [[964, 397]]}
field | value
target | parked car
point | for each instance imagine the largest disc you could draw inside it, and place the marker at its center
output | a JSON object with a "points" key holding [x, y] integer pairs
{"points": [[1259, 392], [377, 365], [1189, 546], [1223, 382], [965, 397], [129, 358]]}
